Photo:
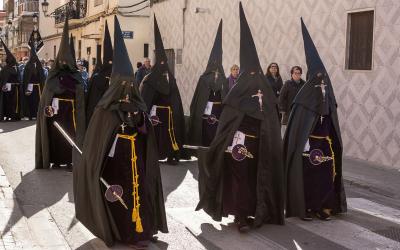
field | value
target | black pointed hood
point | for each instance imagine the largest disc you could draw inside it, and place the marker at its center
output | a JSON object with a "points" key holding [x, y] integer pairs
{"points": [[161, 56], [10, 59], [64, 51], [72, 46], [122, 84], [251, 82], [107, 46], [99, 63], [311, 95], [33, 69], [249, 61], [215, 59]]}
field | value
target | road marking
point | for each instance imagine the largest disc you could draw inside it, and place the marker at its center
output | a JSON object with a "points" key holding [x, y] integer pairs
{"points": [[346, 234], [374, 209]]}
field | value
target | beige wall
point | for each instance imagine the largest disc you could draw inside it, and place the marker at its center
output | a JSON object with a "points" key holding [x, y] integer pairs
{"points": [[138, 24], [369, 101]]}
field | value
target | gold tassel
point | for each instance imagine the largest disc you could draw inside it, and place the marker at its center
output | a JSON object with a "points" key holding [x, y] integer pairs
{"points": [[139, 227]]}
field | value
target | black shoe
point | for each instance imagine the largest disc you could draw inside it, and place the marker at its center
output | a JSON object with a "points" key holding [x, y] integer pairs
{"points": [[308, 216], [242, 224], [154, 239], [322, 215]]}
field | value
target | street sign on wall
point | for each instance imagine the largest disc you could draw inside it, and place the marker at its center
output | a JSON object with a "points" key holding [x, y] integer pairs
{"points": [[127, 34]]}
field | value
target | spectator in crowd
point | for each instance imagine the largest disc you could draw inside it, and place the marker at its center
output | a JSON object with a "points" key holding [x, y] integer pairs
{"points": [[233, 76], [289, 92], [144, 70], [84, 73], [138, 66], [274, 78]]}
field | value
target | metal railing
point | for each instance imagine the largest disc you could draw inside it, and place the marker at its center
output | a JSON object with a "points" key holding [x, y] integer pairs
{"points": [[77, 10]]}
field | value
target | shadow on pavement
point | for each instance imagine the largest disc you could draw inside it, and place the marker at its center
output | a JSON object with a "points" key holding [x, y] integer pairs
{"points": [[173, 176], [6, 127], [38, 190]]}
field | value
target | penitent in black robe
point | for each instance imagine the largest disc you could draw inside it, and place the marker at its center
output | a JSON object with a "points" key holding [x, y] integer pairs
{"points": [[251, 186], [33, 84], [120, 147], [60, 149], [11, 94]]}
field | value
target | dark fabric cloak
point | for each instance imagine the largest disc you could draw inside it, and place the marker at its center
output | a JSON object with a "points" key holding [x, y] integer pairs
{"points": [[53, 88], [100, 80], [305, 119], [240, 106], [211, 87], [156, 90], [109, 221], [11, 102]]}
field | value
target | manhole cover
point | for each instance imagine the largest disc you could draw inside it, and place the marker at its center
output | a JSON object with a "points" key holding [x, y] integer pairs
{"points": [[391, 233]]}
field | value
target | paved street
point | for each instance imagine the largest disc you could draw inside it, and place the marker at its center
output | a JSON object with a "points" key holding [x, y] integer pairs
{"points": [[40, 214]]}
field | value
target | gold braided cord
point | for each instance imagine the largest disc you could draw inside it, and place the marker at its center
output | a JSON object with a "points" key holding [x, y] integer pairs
{"points": [[332, 152], [171, 131], [135, 177], [72, 101]]}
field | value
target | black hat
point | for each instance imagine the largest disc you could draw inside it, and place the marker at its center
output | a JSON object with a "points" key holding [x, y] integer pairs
{"points": [[122, 95], [249, 61], [317, 94], [161, 56], [107, 46], [215, 59], [10, 59], [64, 52], [72, 46], [251, 94]]}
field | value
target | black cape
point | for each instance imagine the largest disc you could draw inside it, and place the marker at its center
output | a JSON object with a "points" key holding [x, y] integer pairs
{"points": [[238, 104], [53, 87], [205, 86], [90, 204], [307, 109]]}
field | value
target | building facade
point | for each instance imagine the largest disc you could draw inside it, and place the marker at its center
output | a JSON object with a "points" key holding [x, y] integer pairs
{"points": [[19, 25], [357, 40], [3, 22], [87, 27]]}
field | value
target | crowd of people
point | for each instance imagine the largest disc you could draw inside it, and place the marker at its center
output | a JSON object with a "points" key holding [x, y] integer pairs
{"points": [[121, 124]]}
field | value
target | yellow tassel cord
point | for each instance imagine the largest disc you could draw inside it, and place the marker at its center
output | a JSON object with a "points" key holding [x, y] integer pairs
{"points": [[72, 101], [332, 152], [135, 176], [171, 131]]}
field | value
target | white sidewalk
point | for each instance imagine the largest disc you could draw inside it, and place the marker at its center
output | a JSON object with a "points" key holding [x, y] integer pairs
{"points": [[39, 232]]}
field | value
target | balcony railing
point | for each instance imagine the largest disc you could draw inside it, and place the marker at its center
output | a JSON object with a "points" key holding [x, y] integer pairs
{"points": [[77, 10], [28, 6]]}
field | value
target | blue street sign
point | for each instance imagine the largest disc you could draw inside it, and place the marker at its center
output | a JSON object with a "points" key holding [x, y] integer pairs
{"points": [[127, 34]]}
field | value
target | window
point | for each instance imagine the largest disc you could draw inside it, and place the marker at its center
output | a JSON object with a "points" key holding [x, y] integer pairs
{"points": [[360, 40], [97, 2], [146, 50]]}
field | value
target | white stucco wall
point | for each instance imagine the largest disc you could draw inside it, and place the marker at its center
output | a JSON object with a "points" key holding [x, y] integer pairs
{"points": [[369, 101]]}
